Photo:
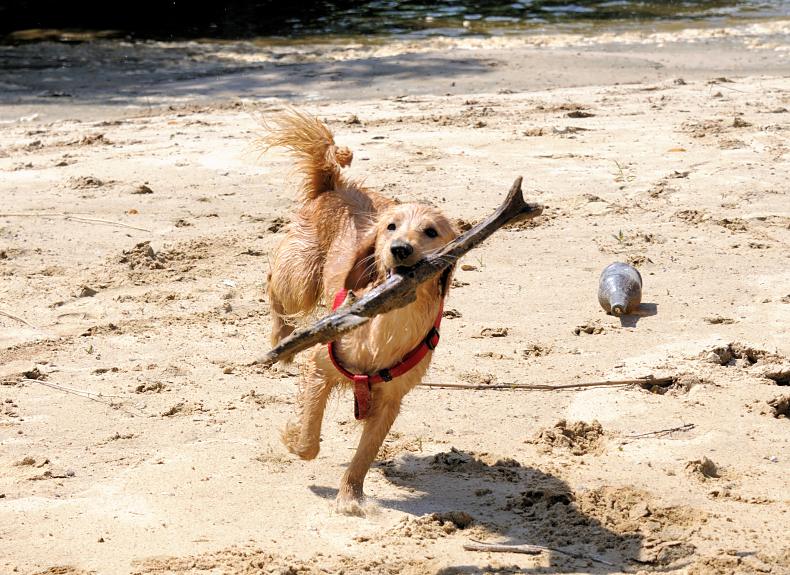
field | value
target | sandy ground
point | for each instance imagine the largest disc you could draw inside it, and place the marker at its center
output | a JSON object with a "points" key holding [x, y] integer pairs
{"points": [[134, 437]]}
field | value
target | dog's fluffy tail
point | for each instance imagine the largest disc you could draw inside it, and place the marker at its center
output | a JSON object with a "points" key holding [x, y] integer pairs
{"points": [[319, 159]]}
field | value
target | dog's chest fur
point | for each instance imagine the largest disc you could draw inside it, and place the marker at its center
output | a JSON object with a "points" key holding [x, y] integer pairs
{"points": [[387, 338]]}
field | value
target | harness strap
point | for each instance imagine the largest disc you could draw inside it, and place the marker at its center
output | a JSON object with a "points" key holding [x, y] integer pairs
{"points": [[362, 382]]}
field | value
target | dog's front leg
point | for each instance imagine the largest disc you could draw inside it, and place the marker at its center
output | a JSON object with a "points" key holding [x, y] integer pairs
{"points": [[377, 425], [303, 437]]}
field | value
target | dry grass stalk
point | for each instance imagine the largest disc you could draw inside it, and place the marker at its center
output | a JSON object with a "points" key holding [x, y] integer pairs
{"points": [[74, 218]]}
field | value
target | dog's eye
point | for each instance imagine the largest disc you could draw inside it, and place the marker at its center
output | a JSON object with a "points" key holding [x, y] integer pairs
{"points": [[391, 227], [431, 232]]}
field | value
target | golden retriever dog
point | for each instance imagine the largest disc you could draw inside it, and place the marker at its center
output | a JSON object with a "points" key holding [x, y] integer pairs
{"points": [[346, 237]]}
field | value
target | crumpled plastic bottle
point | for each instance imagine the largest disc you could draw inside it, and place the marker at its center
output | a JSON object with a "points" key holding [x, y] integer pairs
{"points": [[620, 289]]}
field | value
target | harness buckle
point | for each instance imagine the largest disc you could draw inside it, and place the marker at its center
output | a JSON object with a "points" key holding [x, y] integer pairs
{"points": [[432, 339]]}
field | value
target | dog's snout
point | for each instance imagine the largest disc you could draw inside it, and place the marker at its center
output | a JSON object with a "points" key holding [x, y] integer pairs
{"points": [[401, 250]]}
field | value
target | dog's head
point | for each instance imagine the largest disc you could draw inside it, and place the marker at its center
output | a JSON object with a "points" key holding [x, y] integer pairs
{"points": [[402, 236]]}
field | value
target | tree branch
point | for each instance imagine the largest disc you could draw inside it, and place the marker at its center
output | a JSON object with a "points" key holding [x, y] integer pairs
{"points": [[399, 289], [528, 550]]}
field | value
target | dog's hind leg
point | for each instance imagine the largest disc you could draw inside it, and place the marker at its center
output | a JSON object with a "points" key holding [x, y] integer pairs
{"points": [[303, 437], [294, 285], [280, 328]]}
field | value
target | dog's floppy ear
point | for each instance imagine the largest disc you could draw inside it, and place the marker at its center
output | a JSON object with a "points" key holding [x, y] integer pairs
{"points": [[445, 280], [363, 268]]}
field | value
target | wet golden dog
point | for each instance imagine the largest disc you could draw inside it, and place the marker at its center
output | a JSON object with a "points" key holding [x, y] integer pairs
{"points": [[344, 236]]}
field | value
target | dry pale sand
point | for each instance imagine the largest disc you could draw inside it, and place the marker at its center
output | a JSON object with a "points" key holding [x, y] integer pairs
{"points": [[135, 439]]}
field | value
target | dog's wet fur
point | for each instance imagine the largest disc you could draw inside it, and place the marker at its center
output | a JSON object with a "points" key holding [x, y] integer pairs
{"points": [[344, 236]]}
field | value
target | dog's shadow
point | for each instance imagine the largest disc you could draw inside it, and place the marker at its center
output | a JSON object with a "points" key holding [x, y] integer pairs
{"points": [[512, 504]]}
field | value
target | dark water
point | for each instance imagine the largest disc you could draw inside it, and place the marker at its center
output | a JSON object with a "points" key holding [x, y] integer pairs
{"points": [[179, 19]]}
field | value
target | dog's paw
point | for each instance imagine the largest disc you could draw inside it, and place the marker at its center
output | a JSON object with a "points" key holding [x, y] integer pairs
{"points": [[291, 438], [349, 505]]}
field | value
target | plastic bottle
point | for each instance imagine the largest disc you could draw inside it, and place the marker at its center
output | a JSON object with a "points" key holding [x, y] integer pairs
{"points": [[620, 289]]}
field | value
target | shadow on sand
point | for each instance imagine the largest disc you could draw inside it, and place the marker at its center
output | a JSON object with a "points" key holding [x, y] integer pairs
{"points": [[588, 531], [645, 310], [120, 74]]}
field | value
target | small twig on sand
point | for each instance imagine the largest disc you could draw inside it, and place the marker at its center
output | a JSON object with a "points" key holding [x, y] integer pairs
{"points": [[72, 217], [528, 550], [106, 222], [20, 320], [84, 393], [542, 387], [662, 432], [81, 392]]}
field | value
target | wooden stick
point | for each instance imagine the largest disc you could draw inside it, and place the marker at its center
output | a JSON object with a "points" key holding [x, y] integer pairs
{"points": [[501, 548], [545, 387], [19, 319], [399, 289], [684, 427], [82, 219], [528, 550]]}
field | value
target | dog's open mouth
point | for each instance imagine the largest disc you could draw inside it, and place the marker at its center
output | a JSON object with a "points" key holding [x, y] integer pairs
{"points": [[402, 270]]}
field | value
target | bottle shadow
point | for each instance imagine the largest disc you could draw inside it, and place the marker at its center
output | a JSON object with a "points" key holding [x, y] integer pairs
{"points": [[645, 310], [513, 504]]}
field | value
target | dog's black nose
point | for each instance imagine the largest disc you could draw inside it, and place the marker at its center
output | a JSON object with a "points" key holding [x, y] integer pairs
{"points": [[401, 250]]}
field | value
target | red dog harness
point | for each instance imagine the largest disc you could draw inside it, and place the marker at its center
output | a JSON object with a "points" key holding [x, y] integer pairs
{"points": [[362, 382]]}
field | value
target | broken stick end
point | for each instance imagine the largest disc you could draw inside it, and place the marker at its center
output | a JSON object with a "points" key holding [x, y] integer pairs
{"points": [[531, 210], [515, 191], [267, 360], [527, 210]]}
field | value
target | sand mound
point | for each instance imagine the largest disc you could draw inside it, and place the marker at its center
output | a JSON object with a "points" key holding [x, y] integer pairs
{"points": [[580, 438]]}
